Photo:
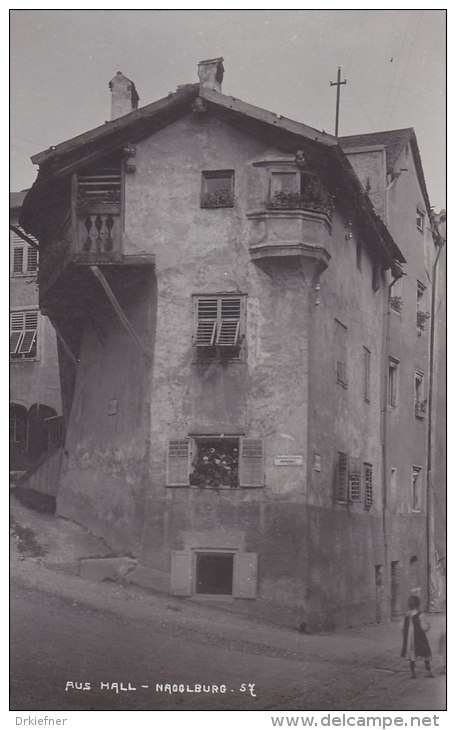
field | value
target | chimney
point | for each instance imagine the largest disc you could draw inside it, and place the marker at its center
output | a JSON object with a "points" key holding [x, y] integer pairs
{"points": [[124, 97], [210, 73]]}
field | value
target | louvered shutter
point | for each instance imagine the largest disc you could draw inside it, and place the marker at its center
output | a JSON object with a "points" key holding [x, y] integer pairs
{"points": [[354, 478], [32, 259], [16, 331], [31, 324], [251, 471], [245, 575], [181, 573], [206, 322], [230, 316], [369, 495], [177, 463], [341, 477], [18, 260]]}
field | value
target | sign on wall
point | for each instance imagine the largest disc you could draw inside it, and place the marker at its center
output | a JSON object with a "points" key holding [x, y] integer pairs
{"points": [[288, 460]]}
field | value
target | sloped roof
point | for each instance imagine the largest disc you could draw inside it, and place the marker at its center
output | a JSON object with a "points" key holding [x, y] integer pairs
{"points": [[59, 161], [394, 142]]}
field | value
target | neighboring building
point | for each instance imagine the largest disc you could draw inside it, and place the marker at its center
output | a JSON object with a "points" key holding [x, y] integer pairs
{"points": [[245, 369], [35, 404]]}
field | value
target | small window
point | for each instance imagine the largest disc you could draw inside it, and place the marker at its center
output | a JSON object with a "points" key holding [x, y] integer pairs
{"points": [[354, 479], [293, 190], [420, 399], [341, 353], [217, 189], [368, 486], [421, 315], [417, 488], [393, 376], [25, 257], [420, 216], [214, 572], [212, 462], [219, 327], [367, 373], [99, 189], [341, 478], [23, 335]]}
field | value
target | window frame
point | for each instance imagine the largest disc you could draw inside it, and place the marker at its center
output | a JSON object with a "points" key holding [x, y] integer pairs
{"points": [[26, 258], [33, 326], [222, 198], [416, 488], [420, 218], [249, 463], [354, 479], [420, 403], [393, 381], [341, 337], [212, 330], [396, 301]]}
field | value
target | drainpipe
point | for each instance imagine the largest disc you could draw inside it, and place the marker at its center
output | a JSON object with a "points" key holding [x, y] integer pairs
{"points": [[440, 241], [385, 427]]}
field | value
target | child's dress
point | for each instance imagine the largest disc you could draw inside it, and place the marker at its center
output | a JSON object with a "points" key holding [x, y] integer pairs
{"points": [[415, 643]]}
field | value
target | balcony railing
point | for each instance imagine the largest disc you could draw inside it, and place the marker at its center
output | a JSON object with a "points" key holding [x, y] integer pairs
{"points": [[98, 232]]}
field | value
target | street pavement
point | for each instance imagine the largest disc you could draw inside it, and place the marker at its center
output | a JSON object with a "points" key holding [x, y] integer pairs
{"points": [[83, 645]]}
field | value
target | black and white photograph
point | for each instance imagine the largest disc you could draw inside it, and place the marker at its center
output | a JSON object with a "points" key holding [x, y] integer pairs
{"points": [[227, 292]]}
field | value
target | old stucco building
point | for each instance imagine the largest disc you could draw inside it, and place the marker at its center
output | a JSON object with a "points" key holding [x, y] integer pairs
{"points": [[35, 402], [244, 372]]}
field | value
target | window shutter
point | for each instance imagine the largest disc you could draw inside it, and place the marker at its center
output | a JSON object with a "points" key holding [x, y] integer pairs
{"points": [[341, 477], [354, 478], [369, 495], [245, 575], [251, 471], [206, 322], [15, 338], [228, 334], [32, 259], [18, 260], [181, 573], [177, 464], [27, 342]]}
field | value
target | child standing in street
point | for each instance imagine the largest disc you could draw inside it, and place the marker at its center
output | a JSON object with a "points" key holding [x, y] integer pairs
{"points": [[415, 643]]}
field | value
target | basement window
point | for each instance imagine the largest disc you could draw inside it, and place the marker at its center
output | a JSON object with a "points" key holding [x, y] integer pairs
{"points": [[219, 327], [215, 462], [214, 572], [217, 189]]}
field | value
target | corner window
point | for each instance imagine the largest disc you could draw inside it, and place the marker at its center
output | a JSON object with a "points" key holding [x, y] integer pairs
{"points": [[215, 462], [420, 216], [417, 488], [420, 399], [293, 189], [23, 335], [393, 377], [219, 326], [217, 189], [341, 353]]}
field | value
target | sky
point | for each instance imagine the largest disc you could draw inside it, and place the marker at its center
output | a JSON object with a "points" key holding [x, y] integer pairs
{"points": [[394, 61]]}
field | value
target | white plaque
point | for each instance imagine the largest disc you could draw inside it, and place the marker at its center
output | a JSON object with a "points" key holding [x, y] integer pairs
{"points": [[288, 460]]}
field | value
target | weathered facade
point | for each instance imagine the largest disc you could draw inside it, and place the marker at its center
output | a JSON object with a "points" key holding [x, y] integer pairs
{"points": [[35, 403], [222, 280]]}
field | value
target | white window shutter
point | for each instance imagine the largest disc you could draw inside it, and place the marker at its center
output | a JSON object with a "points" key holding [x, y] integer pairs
{"points": [[18, 260], [251, 470], [341, 477], [177, 462], [245, 575], [181, 573]]}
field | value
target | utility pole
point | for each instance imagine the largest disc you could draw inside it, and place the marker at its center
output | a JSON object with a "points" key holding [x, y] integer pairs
{"points": [[337, 83]]}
